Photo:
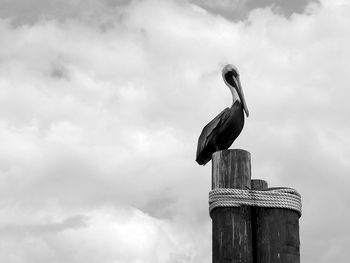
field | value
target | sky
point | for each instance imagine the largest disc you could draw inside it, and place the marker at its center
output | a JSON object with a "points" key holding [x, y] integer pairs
{"points": [[102, 103]]}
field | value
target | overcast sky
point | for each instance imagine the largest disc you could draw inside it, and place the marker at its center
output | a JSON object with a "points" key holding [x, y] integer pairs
{"points": [[102, 102]]}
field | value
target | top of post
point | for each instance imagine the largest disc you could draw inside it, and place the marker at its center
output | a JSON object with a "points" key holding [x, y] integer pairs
{"points": [[231, 169]]}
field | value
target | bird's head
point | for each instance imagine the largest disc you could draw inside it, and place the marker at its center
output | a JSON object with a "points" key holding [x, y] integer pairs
{"points": [[231, 77]]}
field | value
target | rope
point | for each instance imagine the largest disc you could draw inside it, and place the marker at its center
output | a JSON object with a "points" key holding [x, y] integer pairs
{"points": [[278, 197]]}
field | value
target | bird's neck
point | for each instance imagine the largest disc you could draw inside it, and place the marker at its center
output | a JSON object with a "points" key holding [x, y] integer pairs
{"points": [[234, 93]]}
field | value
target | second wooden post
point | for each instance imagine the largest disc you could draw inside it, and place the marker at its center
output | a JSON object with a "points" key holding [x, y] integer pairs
{"points": [[231, 226], [275, 232]]}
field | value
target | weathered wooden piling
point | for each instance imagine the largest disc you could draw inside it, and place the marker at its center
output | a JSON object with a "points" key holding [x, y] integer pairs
{"points": [[250, 234], [231, 226], [275, 232]]}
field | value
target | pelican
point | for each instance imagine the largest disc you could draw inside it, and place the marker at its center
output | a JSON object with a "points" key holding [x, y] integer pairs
{"points": [[221, 132]]}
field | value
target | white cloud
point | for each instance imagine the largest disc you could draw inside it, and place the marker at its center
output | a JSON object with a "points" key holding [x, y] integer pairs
{"points": [[102, 235], [99, 116]]}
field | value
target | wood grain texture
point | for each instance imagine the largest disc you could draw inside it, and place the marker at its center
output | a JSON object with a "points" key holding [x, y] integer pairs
{"points": [[231, 227], [275, 233]]}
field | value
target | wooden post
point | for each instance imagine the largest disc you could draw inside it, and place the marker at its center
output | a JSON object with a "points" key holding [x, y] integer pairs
{"points": [[275, 233], [231, 226]]}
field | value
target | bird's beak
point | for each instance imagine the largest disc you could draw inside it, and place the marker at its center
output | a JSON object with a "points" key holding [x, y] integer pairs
{"points": [[240, 94]]}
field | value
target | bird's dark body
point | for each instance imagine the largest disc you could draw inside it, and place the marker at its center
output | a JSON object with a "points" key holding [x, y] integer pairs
{"points": [[220, 133]]}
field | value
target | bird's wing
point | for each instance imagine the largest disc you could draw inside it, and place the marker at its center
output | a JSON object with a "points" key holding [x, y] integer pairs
{"points": [[208, 129], [220, 118], [205, 141]]}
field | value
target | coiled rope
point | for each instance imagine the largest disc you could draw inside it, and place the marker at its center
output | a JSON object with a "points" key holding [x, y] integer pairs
{"points": [[277, 197]]}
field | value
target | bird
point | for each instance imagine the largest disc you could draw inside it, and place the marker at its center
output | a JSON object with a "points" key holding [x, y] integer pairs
{"points": [[220, 133]]}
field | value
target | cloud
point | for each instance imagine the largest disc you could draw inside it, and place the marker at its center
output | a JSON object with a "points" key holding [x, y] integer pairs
{"points": [[32, 11], [104, 234], [99, 120], [237, 10]]}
